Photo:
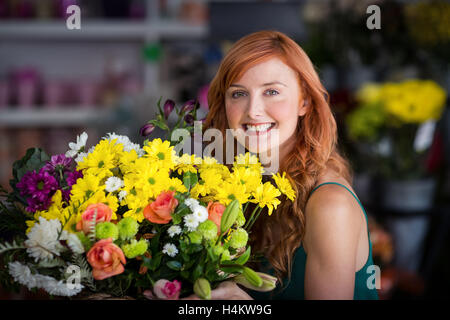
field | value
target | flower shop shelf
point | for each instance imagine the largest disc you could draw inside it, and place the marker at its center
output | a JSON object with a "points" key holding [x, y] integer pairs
{"points": [[100, 29], [73, 116]]}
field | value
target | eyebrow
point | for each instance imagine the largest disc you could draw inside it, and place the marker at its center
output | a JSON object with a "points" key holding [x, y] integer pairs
{"points": [[263, 85]]}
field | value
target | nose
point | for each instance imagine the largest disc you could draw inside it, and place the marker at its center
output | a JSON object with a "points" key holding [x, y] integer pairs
{"points": [[255, 108]]}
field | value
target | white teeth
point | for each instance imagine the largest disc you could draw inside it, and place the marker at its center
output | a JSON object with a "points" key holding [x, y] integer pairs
{"points": [[261, 127]]}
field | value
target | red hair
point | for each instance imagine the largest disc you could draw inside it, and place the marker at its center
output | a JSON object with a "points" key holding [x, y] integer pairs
{"points": [[315, 149]]}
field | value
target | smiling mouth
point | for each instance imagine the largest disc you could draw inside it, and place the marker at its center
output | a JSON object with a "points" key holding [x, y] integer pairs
{"points": [[258, 129]]}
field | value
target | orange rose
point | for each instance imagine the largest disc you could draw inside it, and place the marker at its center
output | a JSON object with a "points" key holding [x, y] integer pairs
{"points": [[160, 211], [106, 259], [215, 212], [104, 213]]}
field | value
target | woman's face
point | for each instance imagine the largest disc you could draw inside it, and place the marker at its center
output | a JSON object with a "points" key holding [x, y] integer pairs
{"points": [[263, 107]]}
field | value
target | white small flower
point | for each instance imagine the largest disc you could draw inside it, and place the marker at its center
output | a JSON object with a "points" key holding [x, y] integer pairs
{"points": [[170, 249], [191, 203], [43, 242], [201, 213], [122, 194], [75, 147], [113, 184], [81, 157], [174, 230], [191, 222]]}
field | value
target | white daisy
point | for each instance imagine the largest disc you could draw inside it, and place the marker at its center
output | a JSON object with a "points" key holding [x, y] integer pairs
{"points": [[78, 146], [191, 222], [201, 213], [73, 241], [113, 184], [22, 274], [59, 288], [43, 242], [191, 203], [80, 157], [122, 194], [170, 249], [174, 230]]}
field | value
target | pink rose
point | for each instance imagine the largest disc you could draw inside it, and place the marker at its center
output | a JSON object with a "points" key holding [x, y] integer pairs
{"points": [[106, 259], [164, 289], [160, 211], [215, 212], [104, 213]]}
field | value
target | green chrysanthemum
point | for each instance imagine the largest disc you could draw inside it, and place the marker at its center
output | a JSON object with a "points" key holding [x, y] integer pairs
{"points": [[195, 237], [135, 248], [225, 255], [239, 238], [105, 230], [128, 227], [208, 230], [87, 244]]}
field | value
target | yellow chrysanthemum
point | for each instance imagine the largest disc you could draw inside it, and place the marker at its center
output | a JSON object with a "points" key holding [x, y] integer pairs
{"points": [[266, 196], [230, 191], [85, 187], [161, 151], [246, 176], [186, 163], [127, 161], [284, 185], [101, 160]]}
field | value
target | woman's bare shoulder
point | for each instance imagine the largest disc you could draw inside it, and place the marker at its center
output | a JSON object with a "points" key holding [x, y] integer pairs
{"points": [[331, 209]]}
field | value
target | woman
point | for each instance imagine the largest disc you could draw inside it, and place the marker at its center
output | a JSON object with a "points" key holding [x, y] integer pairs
{"points": [[318, 245]]}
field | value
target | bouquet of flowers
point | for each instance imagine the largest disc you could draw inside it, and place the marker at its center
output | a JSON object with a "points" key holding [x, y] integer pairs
{"points": [[127, 220]]}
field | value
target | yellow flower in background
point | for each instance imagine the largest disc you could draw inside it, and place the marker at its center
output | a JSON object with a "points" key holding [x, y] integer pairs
{"points": [[369, 93], [266, 196], [284, 185], [413, 101]]}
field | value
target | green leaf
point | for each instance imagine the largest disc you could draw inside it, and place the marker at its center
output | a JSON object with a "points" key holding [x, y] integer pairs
{"points": [[198, 271], [155, 262], [231, 267], [174, 265], [189, 179], [244, 257]]}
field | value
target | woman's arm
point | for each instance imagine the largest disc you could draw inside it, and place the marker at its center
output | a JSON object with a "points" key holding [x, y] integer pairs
{"points": [[333, 224]]}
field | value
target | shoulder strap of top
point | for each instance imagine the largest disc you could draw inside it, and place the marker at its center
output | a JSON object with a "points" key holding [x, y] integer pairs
{"points": [[359, 202]]}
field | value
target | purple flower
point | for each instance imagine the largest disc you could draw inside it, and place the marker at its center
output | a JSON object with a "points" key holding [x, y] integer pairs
{"points": [[37, 188], [72, 177], [189, 118], [146, 129], [188, 106], [58, 162], [169, 105]]}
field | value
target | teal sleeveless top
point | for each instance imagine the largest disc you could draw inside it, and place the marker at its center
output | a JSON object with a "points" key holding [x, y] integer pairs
{"points": [[294, 289]]}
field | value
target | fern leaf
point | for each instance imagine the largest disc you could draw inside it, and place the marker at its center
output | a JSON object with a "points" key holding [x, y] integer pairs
{"points": [[11, 246]]}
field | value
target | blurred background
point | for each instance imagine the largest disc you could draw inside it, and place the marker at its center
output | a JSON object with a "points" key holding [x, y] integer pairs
{"points": [[388, 89]]}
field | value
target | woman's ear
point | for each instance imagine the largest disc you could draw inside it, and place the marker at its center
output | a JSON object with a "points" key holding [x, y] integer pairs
{"points": [[303, 108]]}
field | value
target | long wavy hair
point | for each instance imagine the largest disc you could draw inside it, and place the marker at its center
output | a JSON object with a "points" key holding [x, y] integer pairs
{"points": [[315, 150]]}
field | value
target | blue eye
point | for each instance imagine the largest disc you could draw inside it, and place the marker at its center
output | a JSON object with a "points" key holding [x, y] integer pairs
{"points": [[272, 92], [237, 94]]}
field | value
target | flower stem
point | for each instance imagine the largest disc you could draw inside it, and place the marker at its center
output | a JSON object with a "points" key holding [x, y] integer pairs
{"points": [[251, 218]]}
